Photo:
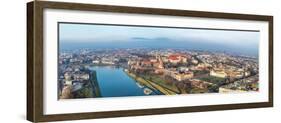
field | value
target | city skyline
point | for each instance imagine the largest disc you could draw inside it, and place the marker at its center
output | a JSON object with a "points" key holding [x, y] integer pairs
{"points": [[116, 36]]}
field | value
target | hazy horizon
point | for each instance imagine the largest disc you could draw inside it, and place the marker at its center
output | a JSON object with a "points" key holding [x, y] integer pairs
{"points": [[111, 36]]}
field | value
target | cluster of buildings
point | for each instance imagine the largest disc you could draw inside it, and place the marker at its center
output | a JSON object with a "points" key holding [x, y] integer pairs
{"points": [[178, 58], [181, 65], [179, 76], [155, 65], [75, 77], [200, 83], [191, 67], [230, 71], [243, 85], [71, 79], [104, 61], [86, 57]]}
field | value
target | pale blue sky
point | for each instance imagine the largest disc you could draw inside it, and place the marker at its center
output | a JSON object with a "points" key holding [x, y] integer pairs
{"points": [[112, 34], [96, 33]]}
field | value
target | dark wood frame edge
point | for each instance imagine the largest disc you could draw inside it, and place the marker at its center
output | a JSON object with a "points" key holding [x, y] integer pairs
{"points": [[30, 89], [35, 60]]}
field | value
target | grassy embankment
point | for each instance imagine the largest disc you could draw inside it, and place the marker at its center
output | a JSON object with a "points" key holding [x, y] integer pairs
{"points": [[90, 89], [95, 85], [152, 85], [162, 82]]}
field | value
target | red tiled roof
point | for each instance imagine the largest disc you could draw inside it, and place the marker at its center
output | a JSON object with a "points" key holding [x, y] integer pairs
{"points": [[174, 57]]}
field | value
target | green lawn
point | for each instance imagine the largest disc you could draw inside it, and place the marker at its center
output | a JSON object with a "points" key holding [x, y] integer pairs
{"points": [[161, 81], [214, 80], [198, 90]]}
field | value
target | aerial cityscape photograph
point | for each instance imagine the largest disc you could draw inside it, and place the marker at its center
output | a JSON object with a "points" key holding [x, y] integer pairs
{"points": [[107, 60]]}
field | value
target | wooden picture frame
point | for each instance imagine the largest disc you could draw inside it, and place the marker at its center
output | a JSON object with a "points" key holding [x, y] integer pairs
{"points": [[35, 62]]}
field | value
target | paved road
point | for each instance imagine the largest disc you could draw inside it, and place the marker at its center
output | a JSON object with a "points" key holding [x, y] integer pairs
{"points": [[201, 76]]}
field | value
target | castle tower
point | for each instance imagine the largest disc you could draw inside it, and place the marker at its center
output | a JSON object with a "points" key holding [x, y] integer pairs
{"points": [[160, 65]]}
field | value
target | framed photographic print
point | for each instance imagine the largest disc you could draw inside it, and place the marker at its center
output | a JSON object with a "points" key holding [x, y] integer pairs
{"points": [[96, 61]]}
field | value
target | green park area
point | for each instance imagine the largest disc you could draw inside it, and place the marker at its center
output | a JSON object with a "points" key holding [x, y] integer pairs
{"points": [[145, 80], [214, 80], [160, 80]]}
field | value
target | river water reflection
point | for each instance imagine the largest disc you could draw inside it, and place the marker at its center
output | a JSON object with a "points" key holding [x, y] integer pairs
{"points": [[114, 82]]}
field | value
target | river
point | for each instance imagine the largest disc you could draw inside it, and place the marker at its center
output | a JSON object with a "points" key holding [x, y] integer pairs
{"points": [[114, 82]]}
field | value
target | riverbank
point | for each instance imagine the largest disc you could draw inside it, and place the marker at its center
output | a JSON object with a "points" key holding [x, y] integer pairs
{"points": [[150, 84], [95, 84]]}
